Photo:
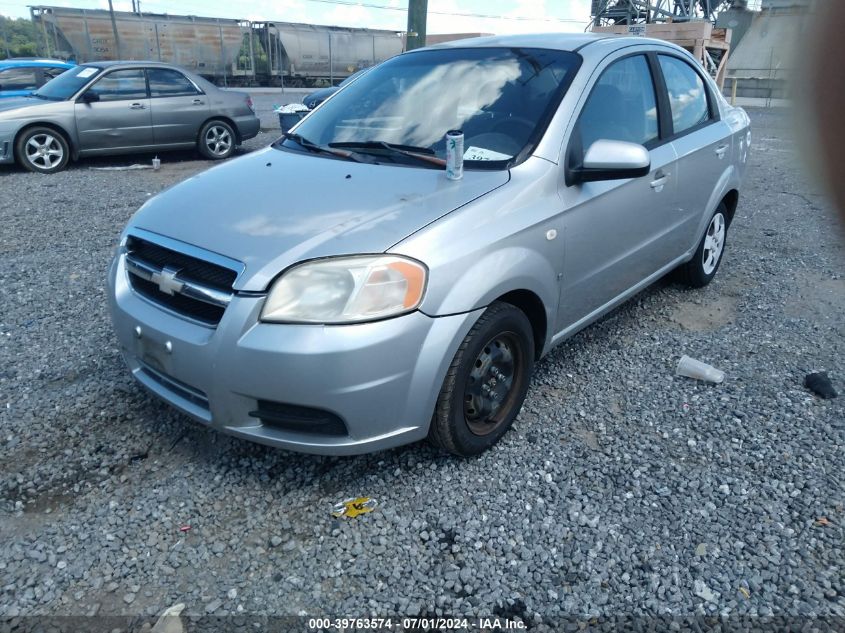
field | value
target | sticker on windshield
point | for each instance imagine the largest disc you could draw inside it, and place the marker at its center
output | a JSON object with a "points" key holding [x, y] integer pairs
{"points": [[479, 153], [86, 72]]}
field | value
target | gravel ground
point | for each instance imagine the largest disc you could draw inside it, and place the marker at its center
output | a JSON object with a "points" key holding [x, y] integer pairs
{"points": [[622, 489]]}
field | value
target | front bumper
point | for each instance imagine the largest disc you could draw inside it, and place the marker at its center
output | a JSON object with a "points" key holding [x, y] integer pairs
{"points": [[382, 379], [7, 142]]}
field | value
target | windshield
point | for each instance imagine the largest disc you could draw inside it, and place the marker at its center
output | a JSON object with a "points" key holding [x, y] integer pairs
{"points": [[500, 98], [67, 84]]}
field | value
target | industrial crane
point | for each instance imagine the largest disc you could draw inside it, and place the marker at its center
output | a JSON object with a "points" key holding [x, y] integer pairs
{"points": [[613, 12]]}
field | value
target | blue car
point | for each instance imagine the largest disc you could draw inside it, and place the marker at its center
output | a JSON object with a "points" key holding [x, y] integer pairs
{"points": [[20, 77]]}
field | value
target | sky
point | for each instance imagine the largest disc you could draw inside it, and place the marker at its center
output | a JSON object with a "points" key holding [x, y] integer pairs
{"points": [[511, 16]]}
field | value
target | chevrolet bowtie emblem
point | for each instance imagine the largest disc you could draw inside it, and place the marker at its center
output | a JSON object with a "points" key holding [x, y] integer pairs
{"points": [[166, 280]]}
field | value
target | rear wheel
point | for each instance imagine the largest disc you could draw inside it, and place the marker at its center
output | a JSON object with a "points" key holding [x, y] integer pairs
{"points": [[42, 150], [486, 383], [216, 140], [700, 270]]}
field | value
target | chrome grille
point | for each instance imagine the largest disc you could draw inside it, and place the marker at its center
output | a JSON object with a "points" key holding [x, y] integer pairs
{"points": [[187, 285]]}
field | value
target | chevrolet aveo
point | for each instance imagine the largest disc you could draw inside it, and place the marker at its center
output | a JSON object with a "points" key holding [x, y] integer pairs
{"points": [[335, 293]]}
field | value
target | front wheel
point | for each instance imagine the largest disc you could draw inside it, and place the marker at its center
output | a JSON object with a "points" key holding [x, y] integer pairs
{"points": [[700, 270], [486, 383], [43, 150], [216, 140]]}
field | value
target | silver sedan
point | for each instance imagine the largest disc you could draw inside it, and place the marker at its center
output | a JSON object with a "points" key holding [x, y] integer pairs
{"points": [[339, 293], [121, 108]]}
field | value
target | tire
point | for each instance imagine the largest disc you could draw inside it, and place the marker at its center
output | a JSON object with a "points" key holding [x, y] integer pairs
{"points": [[217, 140], [498, 352], [700, 270], [42, 150]]}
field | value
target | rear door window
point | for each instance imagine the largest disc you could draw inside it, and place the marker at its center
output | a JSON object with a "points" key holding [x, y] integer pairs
{"points": [[121, 85], [687, 94], [18, 79], [622, 105], [169, 83]]}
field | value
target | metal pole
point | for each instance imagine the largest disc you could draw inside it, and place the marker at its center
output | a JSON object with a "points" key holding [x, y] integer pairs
{"points": [[5, 37], [331, 60], [277, 41], [158, 41], [251, 52], [771, 77], [417, 14], [114, 30], [222, 54], [46, 37]]}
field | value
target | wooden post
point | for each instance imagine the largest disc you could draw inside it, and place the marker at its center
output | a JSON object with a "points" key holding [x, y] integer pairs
{"points": [[733, 91], [417, 15]]}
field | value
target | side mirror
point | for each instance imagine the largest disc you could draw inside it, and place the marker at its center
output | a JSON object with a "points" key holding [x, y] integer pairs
{"points": [[612, 160], [90, 97]]}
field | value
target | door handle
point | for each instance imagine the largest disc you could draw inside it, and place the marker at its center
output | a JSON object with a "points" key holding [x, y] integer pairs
{"points": [[137, 106], [198, 101], [721, 150], [658, 183]]}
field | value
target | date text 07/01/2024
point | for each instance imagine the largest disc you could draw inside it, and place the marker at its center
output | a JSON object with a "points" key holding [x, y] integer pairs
{"points": [[416, 623]]}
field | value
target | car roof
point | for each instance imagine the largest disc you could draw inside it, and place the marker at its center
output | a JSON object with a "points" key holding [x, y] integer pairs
{"points": [[557, 41], [35, 63], [133, 62]]}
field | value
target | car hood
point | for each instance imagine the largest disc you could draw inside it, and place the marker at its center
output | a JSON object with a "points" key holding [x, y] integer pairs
{"points": [[273, 208], [16, 103]]}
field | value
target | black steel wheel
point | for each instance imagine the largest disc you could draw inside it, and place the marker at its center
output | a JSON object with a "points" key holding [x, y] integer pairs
{"points": [[489, 388], [486, 383]]}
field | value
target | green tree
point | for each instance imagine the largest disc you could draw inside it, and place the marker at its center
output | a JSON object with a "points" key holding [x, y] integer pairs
{"points": [[18, 38]]}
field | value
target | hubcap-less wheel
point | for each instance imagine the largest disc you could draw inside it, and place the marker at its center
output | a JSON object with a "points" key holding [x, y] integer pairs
{"points": [[490, 385], [714, 242], [44, 151], [218, 140]]}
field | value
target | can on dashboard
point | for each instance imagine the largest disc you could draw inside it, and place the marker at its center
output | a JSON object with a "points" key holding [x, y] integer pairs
{"points": [[454, 154]]}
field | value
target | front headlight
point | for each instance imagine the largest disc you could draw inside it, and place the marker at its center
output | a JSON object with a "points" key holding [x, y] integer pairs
{"points": [[346, 290]]}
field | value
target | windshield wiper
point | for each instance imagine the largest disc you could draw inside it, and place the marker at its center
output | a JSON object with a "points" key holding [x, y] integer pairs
{"points": [[422, 154], [311, 146]]}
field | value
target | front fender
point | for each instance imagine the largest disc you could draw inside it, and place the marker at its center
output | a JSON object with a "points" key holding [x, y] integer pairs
{"points": [[494, 275], [507, 240]]}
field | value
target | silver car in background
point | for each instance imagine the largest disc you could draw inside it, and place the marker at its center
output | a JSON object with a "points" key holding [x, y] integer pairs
{"points": [[336, 293], [120, 108]]}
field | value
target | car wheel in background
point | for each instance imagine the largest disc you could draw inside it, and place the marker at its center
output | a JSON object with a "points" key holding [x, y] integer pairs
{"points": [[700, 270], [42, 150], [486, 383], [216, 140]]}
